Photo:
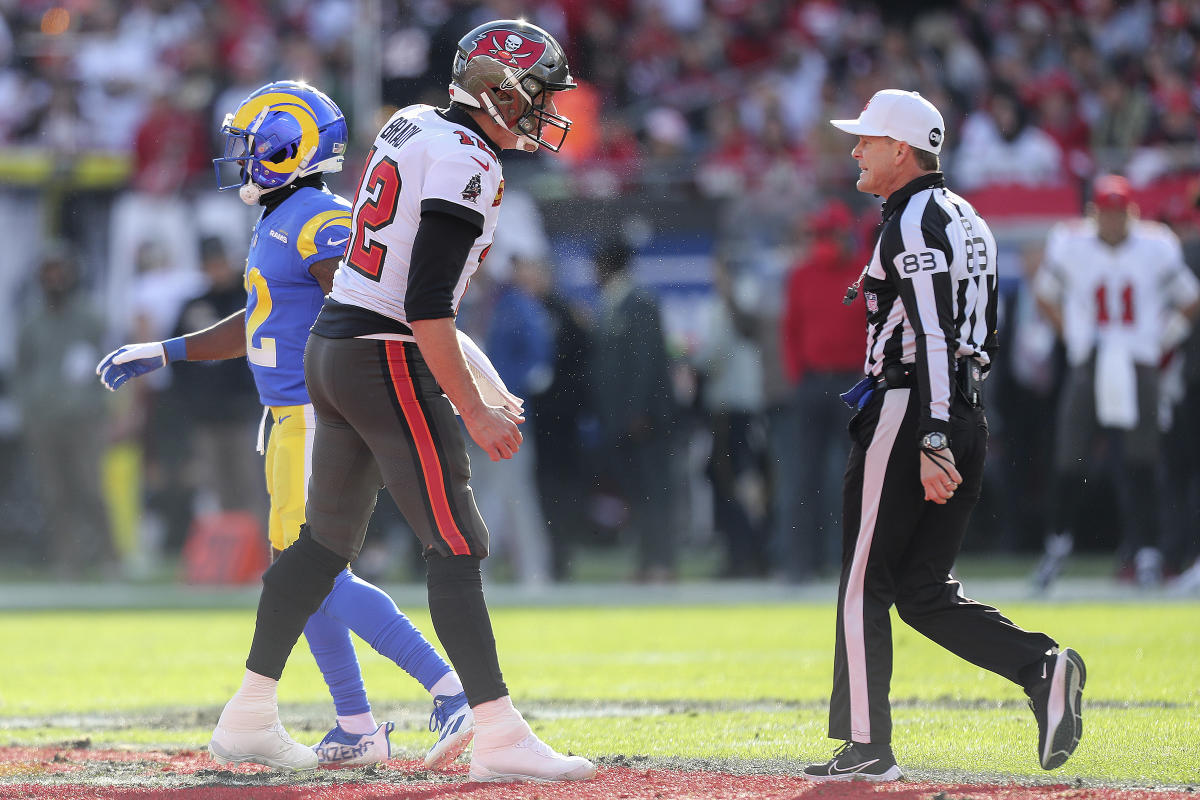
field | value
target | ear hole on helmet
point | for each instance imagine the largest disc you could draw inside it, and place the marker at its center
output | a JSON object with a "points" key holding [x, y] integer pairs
{"points": [[283, 154], [503, 96]]}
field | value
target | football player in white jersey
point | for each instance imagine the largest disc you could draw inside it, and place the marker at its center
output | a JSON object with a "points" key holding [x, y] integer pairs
{"points": [[386, 373], [280, 143], [1118, 292]]}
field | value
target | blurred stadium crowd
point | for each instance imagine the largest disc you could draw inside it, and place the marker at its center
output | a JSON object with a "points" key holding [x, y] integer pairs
{"points": [[108, 120]]}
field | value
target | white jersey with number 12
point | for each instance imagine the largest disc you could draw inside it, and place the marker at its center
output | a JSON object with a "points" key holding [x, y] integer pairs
{"points": [[420, 162]]}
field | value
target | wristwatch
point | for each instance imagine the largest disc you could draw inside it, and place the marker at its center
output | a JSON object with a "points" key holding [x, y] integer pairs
{"points": [[935, 441]]}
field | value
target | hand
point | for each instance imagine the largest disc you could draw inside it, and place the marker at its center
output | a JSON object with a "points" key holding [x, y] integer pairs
{"points": [[1176, 328], [494, 428], [939, 475], [129, 361]]}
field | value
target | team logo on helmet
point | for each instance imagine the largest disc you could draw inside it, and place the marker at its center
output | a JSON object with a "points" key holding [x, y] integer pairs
{"points": [[256, 107], [508, 47]]}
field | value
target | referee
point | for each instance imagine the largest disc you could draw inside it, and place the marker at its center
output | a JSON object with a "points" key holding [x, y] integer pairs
{"points": [[918, 444]]}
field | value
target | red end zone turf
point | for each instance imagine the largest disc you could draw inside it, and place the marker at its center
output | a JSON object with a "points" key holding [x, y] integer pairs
{"points": [[86, 774]]}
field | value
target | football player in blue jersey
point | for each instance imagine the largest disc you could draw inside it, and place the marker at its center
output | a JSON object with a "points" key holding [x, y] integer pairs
{"points": [[280, 142]]}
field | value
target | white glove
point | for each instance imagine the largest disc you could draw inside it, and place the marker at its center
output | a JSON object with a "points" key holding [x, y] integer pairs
{"points": [[129, 361]]}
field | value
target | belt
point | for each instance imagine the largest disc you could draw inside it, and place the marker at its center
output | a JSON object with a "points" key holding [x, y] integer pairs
{"points": [[968, 379], [897, 376]]}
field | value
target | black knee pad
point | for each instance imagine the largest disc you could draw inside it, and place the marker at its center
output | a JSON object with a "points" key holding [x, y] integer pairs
{"points": [[293, 588], [442, 570], [303, 574], [451, 566]]}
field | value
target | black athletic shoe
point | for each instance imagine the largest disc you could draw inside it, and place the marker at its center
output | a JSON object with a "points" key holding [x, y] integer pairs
{"points": [[855, 761], [1057, 702]]}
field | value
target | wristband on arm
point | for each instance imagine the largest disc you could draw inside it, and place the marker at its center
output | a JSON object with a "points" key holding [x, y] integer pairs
{"points": [[175, 349]]}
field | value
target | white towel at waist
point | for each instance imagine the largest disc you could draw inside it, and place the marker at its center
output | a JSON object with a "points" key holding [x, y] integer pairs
{"points": [[491, 386], [1116, 387]]}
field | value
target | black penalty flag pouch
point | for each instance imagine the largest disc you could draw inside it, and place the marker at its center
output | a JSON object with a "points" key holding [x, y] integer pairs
{"points": [[969, 377]]}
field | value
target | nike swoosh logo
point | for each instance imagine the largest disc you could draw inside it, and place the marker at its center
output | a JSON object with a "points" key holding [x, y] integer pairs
{"points": [[336, 242], [486, 166], [856, 768], [281, 419]]}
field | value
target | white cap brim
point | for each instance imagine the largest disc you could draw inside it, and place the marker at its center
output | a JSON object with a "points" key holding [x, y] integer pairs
{"points": [[856, 127]]}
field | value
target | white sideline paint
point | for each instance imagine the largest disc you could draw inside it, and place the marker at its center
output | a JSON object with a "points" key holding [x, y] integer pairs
{"points": [[25, 594]]}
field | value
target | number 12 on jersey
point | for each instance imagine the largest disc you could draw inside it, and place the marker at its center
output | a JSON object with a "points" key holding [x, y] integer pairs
{"points": [[382, 184]]}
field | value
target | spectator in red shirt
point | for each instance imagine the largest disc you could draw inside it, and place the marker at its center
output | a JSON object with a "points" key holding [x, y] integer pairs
{"points": [[170, 147], [822, 344]]}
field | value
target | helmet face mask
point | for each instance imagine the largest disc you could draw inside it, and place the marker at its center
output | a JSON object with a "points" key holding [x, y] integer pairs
{"points": [[283, 131], [539, 119], [510, 69]]}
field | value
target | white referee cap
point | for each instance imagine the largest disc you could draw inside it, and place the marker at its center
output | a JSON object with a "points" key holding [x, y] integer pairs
{"points": [[904, 116]]}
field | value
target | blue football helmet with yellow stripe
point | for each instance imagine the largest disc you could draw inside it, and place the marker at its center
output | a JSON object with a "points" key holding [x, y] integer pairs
{"points": [[283, 131]]}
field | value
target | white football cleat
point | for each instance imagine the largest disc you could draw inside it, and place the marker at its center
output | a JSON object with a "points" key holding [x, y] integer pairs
{"points": [[456, 723], [340, 750], [530, 759], [270, 746]]}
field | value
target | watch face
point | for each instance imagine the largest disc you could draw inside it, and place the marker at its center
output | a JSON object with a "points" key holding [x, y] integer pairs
{"points": [[934, 441]]}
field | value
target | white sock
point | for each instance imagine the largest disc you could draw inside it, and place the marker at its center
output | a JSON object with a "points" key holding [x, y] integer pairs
{"points": [[448, 685], [358, 723], [254, 705], [498, 724]]}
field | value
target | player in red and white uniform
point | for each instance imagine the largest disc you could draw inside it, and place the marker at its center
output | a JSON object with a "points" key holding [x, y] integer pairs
{"points": [[386, 372], [1121, 297], [424, 160]]}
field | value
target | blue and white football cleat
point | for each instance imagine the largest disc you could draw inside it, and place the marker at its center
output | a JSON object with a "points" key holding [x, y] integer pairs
{"points": [[340, 750], [454, 718]]}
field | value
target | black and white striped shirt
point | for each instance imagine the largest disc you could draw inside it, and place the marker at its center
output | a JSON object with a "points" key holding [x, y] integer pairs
{"points": [[930, 292]]}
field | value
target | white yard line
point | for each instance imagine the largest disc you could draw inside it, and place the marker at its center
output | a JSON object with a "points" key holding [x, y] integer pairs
{"points": [[46, 596]]}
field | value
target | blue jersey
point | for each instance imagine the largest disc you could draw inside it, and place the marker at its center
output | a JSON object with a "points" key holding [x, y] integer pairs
{"points": [[282, 296]]}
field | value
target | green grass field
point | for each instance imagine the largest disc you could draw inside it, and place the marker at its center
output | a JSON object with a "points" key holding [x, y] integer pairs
{"points": [[746, 684]]}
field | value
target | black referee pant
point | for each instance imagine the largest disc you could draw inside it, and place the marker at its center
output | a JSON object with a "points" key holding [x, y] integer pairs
{"points": [[899, 549]]}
